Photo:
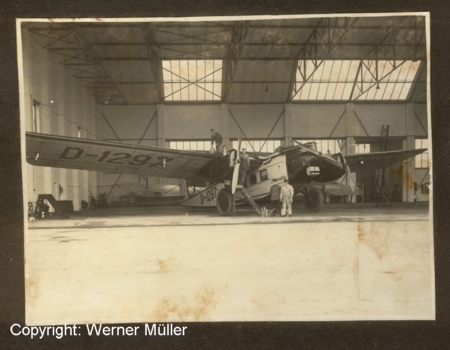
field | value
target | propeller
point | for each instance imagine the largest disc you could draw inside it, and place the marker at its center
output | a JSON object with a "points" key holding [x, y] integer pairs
{"points": [[348, 175], [237, 163]]}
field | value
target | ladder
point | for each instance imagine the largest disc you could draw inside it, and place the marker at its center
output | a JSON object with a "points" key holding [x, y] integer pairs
{"points": [[42, 209], [383, 192]]}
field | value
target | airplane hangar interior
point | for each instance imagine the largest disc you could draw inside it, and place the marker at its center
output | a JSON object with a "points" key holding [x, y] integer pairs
{"points": [[136, 130]]}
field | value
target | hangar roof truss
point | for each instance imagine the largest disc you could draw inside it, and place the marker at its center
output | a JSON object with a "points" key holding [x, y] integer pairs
{"points": [[243, 61], [354, 80]]}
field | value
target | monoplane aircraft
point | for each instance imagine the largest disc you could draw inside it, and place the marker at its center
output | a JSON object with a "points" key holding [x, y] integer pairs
{"points": [[300, 164]]}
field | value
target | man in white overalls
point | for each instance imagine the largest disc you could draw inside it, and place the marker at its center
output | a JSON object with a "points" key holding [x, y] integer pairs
{"points": [[287, 196]]}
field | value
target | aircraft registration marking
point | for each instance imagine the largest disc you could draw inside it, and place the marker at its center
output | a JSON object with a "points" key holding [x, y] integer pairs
{"points": [[209, 195], [119, 158]]}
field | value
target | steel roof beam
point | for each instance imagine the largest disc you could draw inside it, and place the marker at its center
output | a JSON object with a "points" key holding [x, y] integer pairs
{"points": [[238, 36], [228, 44], [56, 39], [93, 59], [154, 60], [82, 53], [382, 51], [256, 58], [327, 33], [404, 41], [228, 25]]}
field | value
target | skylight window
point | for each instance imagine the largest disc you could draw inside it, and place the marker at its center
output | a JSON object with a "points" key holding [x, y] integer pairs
{"points": [[353, 80], [192, 80], [395, 79]]}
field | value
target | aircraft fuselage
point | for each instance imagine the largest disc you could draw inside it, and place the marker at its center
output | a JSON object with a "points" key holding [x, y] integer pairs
{"points": [[299, 165]]}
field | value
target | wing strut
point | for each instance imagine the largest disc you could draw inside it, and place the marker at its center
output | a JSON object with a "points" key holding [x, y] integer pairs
{"points": [[237, 164]]}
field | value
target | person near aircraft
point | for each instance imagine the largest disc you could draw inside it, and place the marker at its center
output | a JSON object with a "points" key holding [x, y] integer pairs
{"points": [[287, 197], [217, 138], [275, 193], [245, 165]]}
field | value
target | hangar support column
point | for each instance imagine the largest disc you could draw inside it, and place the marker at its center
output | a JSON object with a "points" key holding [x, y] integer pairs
{"points": [[161, 132], [351, 129], [287, 124], [408, 167], [351, 126], [161, 125], [225, 126]]}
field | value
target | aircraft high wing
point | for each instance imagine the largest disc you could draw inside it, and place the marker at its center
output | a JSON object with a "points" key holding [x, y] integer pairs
{"points": [[379, 160], [113, 157]]}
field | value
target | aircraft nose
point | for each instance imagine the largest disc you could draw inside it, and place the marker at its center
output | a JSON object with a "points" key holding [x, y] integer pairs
{"points": [[338, 169]]}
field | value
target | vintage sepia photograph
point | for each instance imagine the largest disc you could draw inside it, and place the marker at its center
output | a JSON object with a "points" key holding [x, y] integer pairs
{"points": [[248, 168]]}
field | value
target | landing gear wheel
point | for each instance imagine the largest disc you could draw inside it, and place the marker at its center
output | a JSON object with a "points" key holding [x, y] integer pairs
{"points": [[315, 201], [224, 202]]}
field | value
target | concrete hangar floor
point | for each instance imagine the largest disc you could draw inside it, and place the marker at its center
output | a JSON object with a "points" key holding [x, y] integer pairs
{"points": [[148, 264]]}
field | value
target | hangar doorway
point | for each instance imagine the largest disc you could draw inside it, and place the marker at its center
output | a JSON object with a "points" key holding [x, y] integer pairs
{"points": [[393, 174]]}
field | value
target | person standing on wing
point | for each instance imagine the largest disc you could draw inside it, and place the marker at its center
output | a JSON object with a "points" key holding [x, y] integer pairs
{"points": [[287, 196], [217, 138]]}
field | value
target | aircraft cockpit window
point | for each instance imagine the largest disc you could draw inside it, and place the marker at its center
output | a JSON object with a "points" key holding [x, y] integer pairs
{"points": [[263, 174]]}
